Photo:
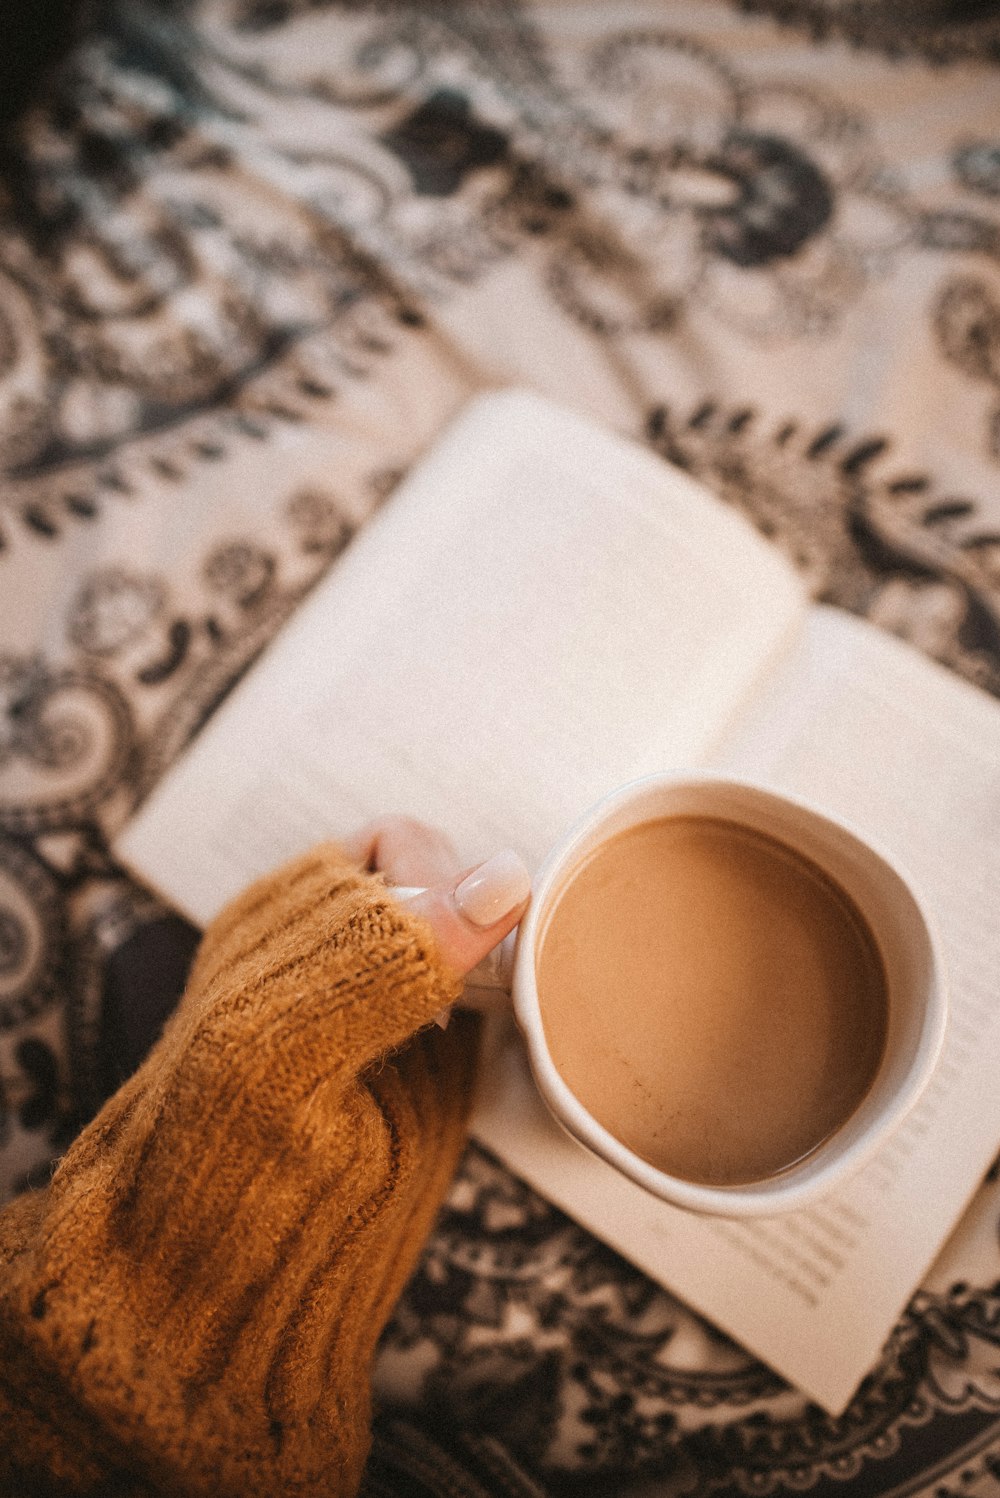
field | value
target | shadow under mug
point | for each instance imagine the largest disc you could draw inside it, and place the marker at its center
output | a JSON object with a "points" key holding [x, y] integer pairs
{"points": [[917, 1003]]}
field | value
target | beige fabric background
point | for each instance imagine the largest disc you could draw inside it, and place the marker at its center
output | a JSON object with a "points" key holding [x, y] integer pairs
{"points": [[251, 258]]}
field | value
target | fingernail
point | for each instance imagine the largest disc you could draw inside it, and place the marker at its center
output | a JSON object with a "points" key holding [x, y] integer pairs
{"points": [[495, 888]]}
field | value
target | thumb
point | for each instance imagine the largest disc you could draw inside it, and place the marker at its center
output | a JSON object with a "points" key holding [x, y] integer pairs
{"points": [[475, 910]]}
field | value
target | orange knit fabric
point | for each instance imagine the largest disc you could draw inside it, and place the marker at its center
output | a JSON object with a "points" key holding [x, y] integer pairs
{"points": [[191, 1306]]}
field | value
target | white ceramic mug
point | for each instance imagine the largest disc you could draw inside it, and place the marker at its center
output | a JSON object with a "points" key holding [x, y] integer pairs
{"points": [[917, 1004]]}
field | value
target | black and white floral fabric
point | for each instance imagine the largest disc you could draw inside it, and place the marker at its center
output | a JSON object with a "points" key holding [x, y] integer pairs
{"points": [[253, 254]]}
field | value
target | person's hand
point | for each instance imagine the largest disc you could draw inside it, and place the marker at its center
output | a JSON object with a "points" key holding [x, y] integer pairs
{"points": [[195, 1299], [468, 909]]}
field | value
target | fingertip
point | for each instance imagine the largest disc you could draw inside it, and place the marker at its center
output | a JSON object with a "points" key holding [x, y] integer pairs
{"points": [[360, 844], [471, 916], [495, 891]]}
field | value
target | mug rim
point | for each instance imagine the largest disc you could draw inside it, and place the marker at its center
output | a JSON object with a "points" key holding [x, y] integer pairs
{"points": [[820, 1171]]}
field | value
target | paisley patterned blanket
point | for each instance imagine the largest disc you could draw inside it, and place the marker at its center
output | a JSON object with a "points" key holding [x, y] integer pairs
{"points": [[253, 254]]}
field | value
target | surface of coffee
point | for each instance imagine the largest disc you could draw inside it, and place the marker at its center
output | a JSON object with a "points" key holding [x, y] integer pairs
{"points": [[712, 998]]}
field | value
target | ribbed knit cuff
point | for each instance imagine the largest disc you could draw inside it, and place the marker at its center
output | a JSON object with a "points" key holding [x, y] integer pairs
{"points": [[207, 1274]]}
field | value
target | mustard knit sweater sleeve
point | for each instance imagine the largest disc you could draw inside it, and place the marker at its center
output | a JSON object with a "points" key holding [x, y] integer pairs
{"points": [[192, 1304]]}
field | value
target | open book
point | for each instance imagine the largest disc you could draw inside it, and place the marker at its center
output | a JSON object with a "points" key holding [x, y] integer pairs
{"points": [[544, 611]]}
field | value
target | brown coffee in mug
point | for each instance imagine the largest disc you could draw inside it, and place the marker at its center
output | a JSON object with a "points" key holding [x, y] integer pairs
{"points": [[711, 996]]}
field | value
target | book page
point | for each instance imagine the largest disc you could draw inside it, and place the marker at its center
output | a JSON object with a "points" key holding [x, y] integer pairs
{"points": [[867, 730], [541, 612]]}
